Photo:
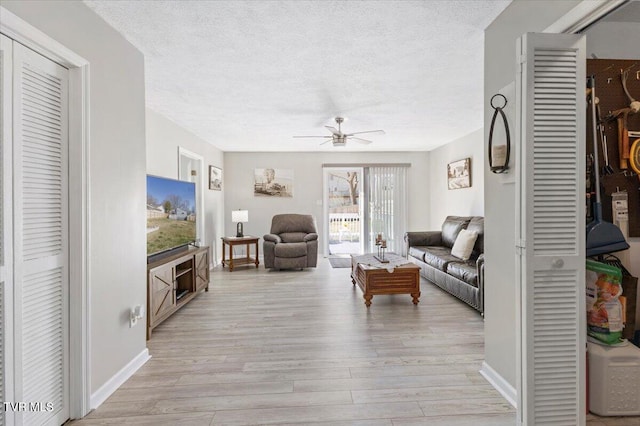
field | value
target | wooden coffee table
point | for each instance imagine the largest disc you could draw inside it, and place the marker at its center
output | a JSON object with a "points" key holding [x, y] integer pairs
{"points": [[373, 280]]}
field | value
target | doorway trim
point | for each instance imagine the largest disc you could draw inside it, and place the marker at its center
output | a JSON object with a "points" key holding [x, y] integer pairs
{"points": [[583, 15], [326, 171], [79, 200], [200, 187]]}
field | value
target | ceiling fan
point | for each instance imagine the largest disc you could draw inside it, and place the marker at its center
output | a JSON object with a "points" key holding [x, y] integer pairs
{"points": [[340, 139]]}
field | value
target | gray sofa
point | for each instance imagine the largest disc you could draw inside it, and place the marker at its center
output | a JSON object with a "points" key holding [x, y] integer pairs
{"points": [[431, 251], [292, 242]]}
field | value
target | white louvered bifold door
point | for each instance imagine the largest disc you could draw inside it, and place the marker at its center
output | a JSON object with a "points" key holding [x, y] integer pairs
{"points": [[6, 230], [40, 91], [551, 228]]}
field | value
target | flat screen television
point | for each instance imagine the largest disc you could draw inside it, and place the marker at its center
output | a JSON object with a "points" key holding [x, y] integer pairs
{"points": [[171, 215]]}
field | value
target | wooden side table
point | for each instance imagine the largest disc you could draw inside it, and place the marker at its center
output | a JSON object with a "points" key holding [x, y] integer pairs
{"points": [[234, 241]]}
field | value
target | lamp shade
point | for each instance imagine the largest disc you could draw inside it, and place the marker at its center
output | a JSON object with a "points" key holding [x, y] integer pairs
{"points": [[240, 216]]}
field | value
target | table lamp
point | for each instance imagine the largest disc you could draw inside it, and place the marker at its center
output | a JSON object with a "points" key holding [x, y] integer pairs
{"points": [[239, 217]]}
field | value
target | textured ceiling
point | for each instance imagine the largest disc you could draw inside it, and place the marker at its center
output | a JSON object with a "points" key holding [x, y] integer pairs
{"points": [[247, 76]]}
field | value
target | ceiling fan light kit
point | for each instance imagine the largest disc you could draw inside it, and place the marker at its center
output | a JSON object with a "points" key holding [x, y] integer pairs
{"points": [[338, 138], [338, 141]]}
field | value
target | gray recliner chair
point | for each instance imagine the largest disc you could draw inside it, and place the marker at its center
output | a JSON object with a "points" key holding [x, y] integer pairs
{"points": [[292, 243]]}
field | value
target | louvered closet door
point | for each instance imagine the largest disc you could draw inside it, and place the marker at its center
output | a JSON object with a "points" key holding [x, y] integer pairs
{"points": [[6, 250], [551, 229], [40, 89]]}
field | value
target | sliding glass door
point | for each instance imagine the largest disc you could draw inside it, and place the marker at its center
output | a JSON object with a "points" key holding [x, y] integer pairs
{"points": [[362, 202], [343, 216]]}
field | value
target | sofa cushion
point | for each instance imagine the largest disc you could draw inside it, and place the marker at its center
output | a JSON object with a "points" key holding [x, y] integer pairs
{"points": [[451, 227], [439, 257], [312, 236], [428, 238], [292, 222], [477, 224], [465, 271], [292, 237], [291, 250], [463, 246], [272, 238], [417, 252]]}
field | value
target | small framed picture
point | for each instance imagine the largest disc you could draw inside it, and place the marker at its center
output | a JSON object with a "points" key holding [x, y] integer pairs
{"points": [[459, 174], [215, 178]]}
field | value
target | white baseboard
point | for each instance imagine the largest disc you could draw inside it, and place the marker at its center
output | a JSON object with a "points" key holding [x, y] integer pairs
{"points": [[500, 384], [105, 391]]}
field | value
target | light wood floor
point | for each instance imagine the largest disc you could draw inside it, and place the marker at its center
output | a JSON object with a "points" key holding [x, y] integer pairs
{"points": [[300, 347]]}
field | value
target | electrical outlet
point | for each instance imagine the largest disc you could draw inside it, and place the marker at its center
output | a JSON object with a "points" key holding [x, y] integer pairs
{"points": [[137, 313]]}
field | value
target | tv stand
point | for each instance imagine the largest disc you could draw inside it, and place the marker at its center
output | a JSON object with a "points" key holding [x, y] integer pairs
{"points": [[154, 258], [173, 281]]}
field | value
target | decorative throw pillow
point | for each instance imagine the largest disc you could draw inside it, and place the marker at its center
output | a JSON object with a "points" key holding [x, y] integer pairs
{"points": [[463, 246]]}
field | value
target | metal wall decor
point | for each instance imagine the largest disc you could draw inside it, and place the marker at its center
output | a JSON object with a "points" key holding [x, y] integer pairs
{"points": [[499, 155]]}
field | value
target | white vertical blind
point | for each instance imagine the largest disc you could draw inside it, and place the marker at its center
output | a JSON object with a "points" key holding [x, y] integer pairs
{"points": [[551, 228], [388, 206]]}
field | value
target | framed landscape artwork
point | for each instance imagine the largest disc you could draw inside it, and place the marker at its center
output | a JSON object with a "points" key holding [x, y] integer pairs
{"points": [[273, 182], [215, 178], [459, 174]]}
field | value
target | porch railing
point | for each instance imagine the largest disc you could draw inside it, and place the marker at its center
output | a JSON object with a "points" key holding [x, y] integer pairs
{"points": [[344, 227]]}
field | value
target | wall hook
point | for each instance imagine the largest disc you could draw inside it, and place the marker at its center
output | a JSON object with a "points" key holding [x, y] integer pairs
{"points": [[637, 75], [609, 80]]}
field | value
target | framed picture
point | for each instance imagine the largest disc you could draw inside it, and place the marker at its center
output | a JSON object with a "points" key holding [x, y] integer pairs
{"points": [[273, 182], [459, 174], [215, 178]]}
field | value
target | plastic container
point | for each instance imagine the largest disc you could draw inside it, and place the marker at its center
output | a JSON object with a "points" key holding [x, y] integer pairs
{"points": [[614, 380]]}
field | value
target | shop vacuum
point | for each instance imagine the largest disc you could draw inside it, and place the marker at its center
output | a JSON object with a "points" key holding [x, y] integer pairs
{"points": [[602, 237]]}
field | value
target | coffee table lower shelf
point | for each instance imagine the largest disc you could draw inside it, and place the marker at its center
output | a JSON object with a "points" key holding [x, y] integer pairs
{"points": [[404, 279]]}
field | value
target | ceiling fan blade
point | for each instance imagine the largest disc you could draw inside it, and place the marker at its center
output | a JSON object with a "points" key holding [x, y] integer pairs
{"points": [[313, 137], [333, 130], [368, 131], [360, 140], [327, 141]]}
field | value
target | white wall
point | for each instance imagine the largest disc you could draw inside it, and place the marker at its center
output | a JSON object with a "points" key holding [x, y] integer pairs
{"points": [[614, 40], [117, 176], [458, 202], [499, 70], [163, 139], [308, 185]]}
